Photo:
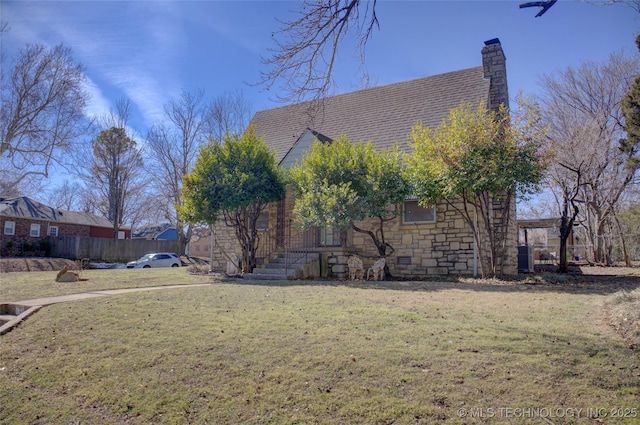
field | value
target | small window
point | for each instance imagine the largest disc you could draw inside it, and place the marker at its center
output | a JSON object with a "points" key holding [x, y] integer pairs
{"points": [[416, 213], [53, 230], [262, 223], [35, 230], [9, 227], [404, 261], [121, 234]]}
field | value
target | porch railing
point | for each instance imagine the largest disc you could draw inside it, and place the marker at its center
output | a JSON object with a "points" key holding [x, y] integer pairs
{"points": [[295, 245]]}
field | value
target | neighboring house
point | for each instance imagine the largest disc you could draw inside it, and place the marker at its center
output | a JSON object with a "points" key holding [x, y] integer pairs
{"points": [[427, 241], [164, 231], [200, 243], [25, 222]]}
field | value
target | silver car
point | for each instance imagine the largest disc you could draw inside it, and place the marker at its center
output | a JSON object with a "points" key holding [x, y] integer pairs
{"points": [[158, 259]]}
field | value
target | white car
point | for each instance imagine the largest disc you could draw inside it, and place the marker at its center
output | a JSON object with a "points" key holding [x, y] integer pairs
{"points": [[158, 259]]}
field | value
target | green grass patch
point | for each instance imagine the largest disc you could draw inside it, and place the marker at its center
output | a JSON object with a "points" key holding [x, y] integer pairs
{"points": [[321, 353]]}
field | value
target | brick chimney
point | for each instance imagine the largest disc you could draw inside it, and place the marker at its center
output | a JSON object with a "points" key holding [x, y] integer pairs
{"points": [[494, 64]]}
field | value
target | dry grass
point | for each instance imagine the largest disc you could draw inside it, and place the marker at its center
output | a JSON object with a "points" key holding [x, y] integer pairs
{"points": [[321, 353], [19, 286], [624, 314]]}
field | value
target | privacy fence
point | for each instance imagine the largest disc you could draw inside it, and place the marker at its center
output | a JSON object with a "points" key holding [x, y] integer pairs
{"points": [[107, 250]]}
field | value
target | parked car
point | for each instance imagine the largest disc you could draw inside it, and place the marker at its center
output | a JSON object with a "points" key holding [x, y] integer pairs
{"points": [[158, 259]]}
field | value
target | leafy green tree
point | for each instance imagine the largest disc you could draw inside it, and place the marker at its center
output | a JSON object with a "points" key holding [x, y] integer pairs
{"points": [[629, 225], [340, 183], [237, 178], [631, 111], [478, 162]]}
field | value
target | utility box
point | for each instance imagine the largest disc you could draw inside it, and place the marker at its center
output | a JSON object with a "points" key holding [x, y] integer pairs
{"points": [[526, 260]]}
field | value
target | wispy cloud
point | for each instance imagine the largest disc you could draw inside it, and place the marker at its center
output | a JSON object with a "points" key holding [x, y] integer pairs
{"points": [[130, 48]]}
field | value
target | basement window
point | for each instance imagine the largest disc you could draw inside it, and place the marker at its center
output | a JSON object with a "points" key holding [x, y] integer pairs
{"points": [[404, 261], [412, 212]]}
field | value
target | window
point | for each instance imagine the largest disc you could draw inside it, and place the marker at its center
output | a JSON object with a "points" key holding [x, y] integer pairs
{"points": [[121, 234], [9, 227], [262, 223], [35, 230], [415, 213], [53, 230], [329, 236]]}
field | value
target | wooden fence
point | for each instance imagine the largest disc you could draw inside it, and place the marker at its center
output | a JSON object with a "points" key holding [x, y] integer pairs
{"points": [[107, 250]]}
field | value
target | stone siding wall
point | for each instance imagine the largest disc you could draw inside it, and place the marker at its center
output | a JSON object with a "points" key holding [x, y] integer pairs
{"points": [[444, 247]]}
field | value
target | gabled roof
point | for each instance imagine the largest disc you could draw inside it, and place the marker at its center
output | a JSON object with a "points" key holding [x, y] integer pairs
{"points": [[23, 207], [301, 145], [384, 115], [152, 230]]}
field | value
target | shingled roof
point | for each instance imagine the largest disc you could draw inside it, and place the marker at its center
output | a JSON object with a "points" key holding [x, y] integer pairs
{"points": [[23, 207], [384, 115]]}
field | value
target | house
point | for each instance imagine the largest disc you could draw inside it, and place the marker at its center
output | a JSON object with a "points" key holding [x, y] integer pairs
{"points": [[200, 243], [165, 231], [27, 223], [427, 241]]}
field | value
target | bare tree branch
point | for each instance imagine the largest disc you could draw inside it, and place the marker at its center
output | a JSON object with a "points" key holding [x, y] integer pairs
{"points": [[307, 47], [42, 107], [583, 107]]}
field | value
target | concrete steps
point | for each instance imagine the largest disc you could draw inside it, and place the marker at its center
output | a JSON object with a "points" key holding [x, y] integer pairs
{"points": [[11, 314], [293, 265]]}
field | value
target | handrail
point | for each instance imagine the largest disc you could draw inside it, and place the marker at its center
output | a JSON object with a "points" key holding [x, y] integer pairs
{"points": [[284, 239]]}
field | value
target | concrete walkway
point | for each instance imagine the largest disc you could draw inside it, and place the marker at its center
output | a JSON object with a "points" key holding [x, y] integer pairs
{"points": [[93, 294], [12, 314]]}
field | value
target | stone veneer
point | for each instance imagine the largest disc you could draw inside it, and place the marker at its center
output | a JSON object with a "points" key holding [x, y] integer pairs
{"points": [[444, 247]]}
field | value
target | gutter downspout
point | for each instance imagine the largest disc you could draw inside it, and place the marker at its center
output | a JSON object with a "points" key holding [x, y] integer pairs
{"points": [[475, 245]]}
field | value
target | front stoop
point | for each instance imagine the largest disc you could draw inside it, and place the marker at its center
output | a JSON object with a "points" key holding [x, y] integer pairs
{"points": [[287, 267], [12, 314]]}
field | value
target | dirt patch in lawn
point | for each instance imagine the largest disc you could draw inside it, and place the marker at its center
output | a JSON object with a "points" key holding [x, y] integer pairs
{"points": [[35, 264]]}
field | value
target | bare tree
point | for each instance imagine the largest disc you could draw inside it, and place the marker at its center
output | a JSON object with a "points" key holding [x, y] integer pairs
{"points": [[68, 196], [173, 146], [116, 165], [307, 46], [583, 108], [191, 121], [304, 59], [43, 104], [230, 113], [118, 117]]}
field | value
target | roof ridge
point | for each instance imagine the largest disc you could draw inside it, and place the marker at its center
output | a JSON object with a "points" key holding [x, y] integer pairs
{"points": [[402, 82]]}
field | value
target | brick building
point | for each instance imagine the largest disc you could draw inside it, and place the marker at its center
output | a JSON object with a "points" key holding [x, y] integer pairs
{"points": [[25, 223]]}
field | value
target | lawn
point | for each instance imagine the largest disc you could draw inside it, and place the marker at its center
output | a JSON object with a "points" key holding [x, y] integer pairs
{"points": [[238, 352]]}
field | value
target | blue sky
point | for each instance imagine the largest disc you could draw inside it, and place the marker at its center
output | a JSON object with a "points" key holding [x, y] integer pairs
{"points": [[149, 51]]}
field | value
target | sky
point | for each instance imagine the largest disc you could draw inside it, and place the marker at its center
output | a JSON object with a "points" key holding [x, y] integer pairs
{"points": [[149, 51]]}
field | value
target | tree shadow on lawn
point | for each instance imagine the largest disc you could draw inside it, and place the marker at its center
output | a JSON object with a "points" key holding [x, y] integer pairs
{"points": [[577, 284]]}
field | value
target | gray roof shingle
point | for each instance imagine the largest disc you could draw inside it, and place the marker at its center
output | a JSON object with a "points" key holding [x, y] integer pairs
{"points": [[23, 207], [384, 115]]}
